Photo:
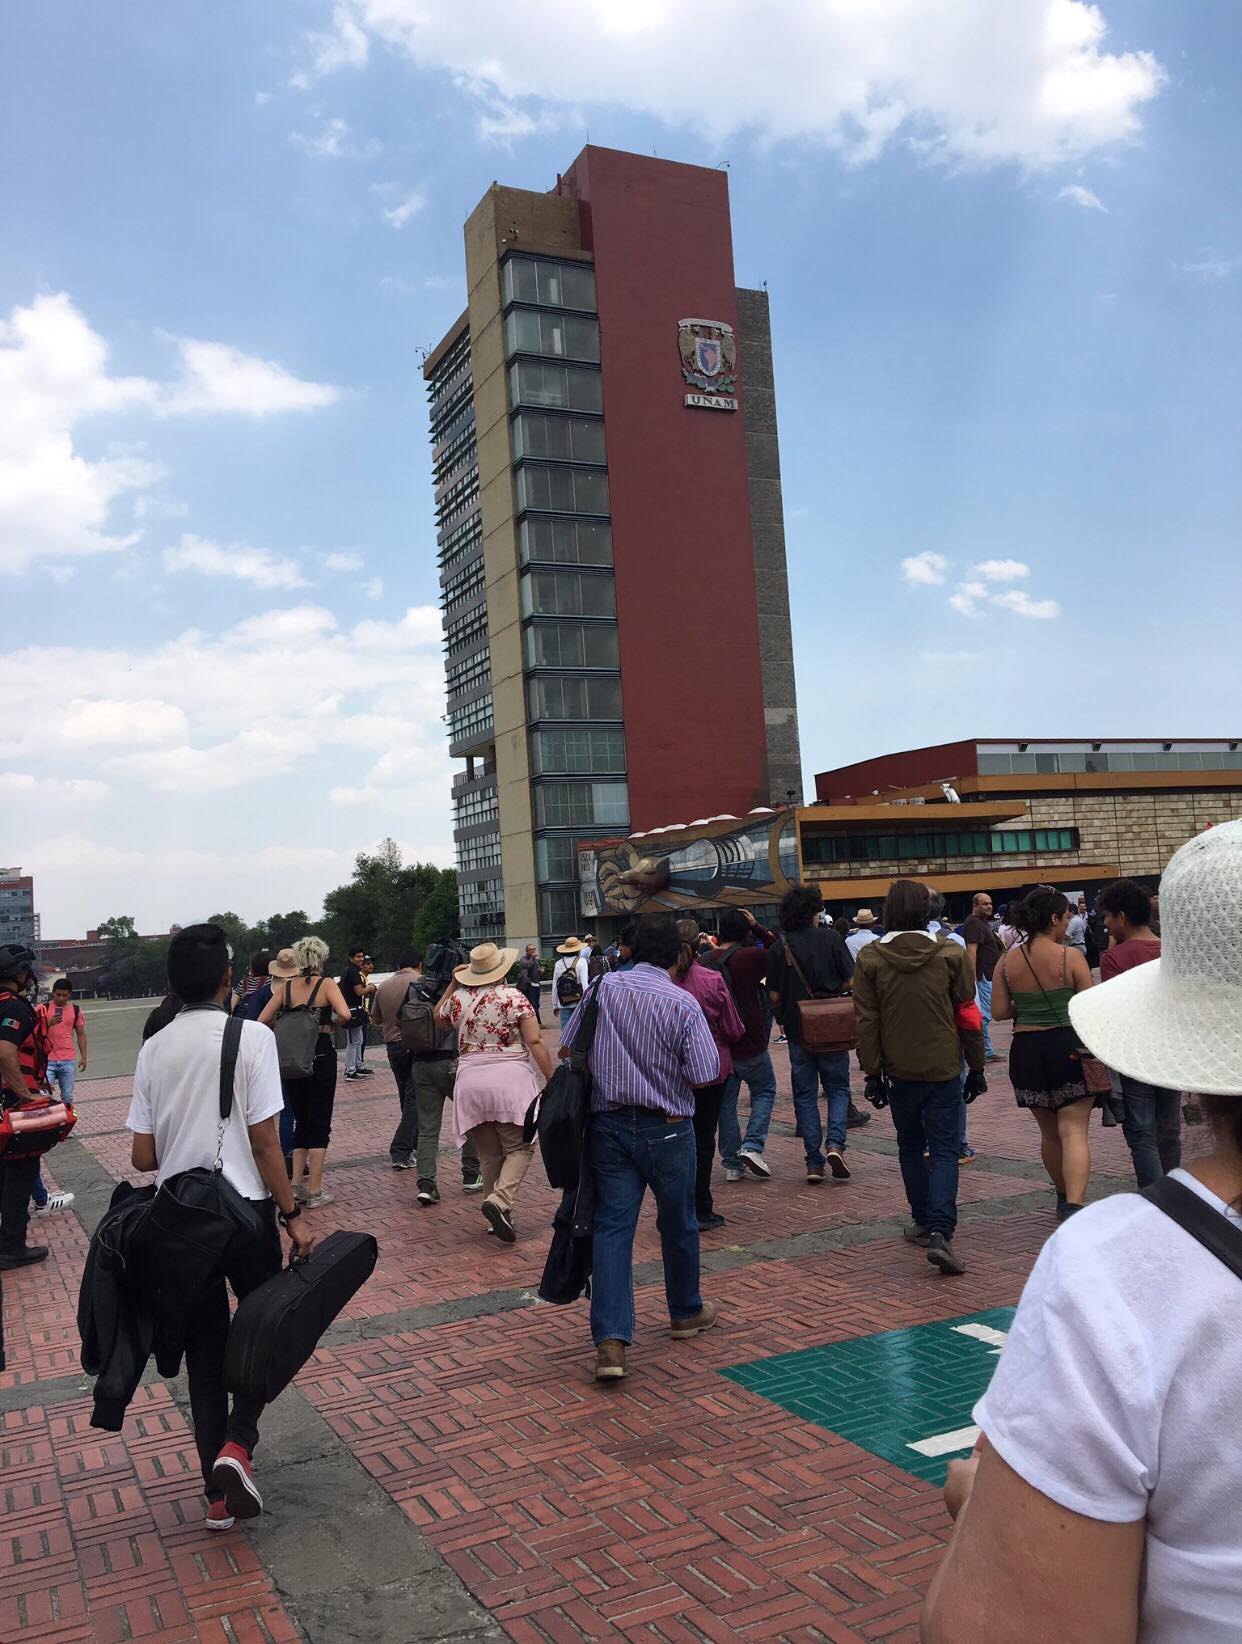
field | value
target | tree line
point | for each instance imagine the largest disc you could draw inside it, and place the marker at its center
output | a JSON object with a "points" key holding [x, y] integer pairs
{"points": [[385, 907]]}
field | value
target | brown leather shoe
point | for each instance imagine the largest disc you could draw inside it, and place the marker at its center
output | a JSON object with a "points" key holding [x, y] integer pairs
{"points": [[683, 1329], [610, 1361]]}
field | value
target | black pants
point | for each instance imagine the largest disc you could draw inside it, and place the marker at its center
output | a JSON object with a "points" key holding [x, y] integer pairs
{"points": [[535, 994], [205, 1341], [405, 1137], [17, 1179], [706, 1123], [313, 1099]]}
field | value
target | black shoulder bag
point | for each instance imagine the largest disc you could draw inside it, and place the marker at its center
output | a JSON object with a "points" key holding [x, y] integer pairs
{"points": [[559, 1114], [1196, 1217]]}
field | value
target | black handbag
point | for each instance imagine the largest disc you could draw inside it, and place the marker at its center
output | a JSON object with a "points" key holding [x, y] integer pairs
{"points": [[279, 1325], [558, 1115]]}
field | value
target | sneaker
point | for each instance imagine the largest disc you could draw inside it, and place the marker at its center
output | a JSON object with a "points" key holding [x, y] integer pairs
{"points": [[711, 1219], [815, 1174], [500, 1220], [1068, 1209], [733, 1174], [349, 1076], [994, 1056], [54, 1201], [403, 1164], [781, 1039], [755, 1162], [313, 1201], [232, 1474], [472, 1184], [610, 1361], [968, 1156], [916, 1233], [218, 1516], [856, 1118], [428, 1193], [299, 1193], [24, 1258], [941, 1254], [836, 1163], [364, 1073], [683, 1329]]}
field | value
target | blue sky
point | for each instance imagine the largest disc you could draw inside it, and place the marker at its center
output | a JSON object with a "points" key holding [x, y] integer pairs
{"points": [[1003, 243]]}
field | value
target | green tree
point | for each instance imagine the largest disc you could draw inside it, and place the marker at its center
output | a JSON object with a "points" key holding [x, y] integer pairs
{"points": [[438, 919], [377, 910]]}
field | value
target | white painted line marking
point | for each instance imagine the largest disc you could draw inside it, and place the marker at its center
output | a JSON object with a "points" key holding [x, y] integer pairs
{"points": [[984, 1332], [943, 1444]]}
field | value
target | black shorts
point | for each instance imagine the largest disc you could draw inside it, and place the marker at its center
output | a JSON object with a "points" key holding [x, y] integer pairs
{"points": [[1044, 1070], [312, 1099]]}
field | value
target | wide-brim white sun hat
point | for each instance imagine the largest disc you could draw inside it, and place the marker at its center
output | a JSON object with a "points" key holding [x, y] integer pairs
{"points": [[1176, 1022]]}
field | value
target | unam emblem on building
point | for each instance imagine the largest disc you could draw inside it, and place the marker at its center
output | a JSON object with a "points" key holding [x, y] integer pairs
{"points": [[709, 363]]}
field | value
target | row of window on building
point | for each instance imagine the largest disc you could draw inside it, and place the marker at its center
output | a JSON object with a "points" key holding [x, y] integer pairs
{"points": [[895, 847]]}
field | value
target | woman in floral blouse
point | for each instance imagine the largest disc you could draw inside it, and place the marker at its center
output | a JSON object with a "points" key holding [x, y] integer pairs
{"points": [[498, 1035]]}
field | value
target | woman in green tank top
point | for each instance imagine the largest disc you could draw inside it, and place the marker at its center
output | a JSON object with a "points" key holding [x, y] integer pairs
{"points": [[1033, 986]]}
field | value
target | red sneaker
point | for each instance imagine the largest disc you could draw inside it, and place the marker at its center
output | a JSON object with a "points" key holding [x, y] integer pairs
{"points": [[232, 1474], [218, 1516]]}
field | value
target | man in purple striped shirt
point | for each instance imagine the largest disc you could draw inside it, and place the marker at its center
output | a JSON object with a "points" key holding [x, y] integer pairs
{"points": [[652, 1049]]}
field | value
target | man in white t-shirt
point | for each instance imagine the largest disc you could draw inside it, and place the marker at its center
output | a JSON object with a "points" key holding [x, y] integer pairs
{"points": [[572, 957], [175, 1119]]}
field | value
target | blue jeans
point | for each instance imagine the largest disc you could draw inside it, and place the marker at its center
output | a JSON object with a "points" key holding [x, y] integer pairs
{"points": [[633, 1149], [761, 1082], [63, 1076], [928, 1118], [831, 1069], [1152, 1126], [983, 998]]}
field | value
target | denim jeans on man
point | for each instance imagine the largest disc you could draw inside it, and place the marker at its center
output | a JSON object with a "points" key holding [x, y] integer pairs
{"points": [[632, 1149], [63, 1075], [831, 1069], [760, 1080], [1152, 1126], [928, 1117], [983, 998]]}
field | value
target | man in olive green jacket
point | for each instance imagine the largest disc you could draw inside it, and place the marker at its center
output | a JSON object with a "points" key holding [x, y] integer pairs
{"points": [[908, 987]]}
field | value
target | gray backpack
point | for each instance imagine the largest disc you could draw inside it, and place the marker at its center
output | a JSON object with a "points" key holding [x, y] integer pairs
{"points": [[297, 1036]]}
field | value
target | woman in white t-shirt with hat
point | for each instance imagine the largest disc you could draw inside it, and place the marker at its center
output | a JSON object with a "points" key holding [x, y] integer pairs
{"points": [[1104, 1502]]}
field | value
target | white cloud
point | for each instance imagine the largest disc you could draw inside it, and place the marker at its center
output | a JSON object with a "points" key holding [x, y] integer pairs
{"points": [[1077, 195], [373, 587], [149, 507], [19, 786], [55, 503], [966, 600], [217, 377], [1014, 599], [962, 82], [191, 715], [257, 566], [344, 46], [343, 562], [406, 208], [1001, 570], [262, 98], [1210, 268], [333, 141], [924, 569]]}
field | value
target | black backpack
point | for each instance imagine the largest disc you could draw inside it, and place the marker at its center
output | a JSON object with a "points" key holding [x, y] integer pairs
{"points": [[420, 1032], [568, 986], [297, 1036], [559, 1114]]}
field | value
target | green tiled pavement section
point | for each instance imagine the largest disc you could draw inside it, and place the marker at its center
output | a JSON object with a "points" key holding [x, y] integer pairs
{"points": [[887, 1392]]}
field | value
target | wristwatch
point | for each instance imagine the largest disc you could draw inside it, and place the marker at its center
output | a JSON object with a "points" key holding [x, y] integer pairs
{"points": [[284, 1217]]}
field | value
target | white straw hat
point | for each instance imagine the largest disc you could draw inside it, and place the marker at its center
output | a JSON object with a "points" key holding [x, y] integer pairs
{"points": [[1177, 1021], [488, 963]]}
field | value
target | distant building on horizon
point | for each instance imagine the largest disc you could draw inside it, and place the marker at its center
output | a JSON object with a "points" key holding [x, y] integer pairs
{"points": [[19, 923], [610, 533]]}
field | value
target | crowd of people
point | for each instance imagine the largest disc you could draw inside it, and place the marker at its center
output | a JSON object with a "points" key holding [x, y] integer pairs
{"points": [[671, 1023]]}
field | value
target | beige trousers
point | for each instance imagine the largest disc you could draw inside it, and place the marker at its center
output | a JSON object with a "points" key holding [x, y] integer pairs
{"points": [[504, 1158]]}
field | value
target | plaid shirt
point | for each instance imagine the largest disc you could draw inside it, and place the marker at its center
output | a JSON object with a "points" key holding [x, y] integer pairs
{"points": [[652, 1043]]}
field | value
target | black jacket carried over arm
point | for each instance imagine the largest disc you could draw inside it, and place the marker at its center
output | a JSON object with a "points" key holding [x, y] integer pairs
{"points": [[117, 1331]]}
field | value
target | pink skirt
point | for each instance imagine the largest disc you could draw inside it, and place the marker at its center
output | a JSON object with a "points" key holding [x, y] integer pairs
{"points": [[492, 1087]]}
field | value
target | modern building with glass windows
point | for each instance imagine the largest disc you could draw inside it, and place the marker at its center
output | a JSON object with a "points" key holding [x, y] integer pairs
{"points": [[610, 533]]}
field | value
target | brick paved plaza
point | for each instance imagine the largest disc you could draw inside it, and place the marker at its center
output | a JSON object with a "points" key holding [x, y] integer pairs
{"points": [[446, 1467]]}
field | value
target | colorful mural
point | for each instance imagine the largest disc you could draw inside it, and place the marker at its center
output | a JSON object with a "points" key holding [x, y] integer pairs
{"points": [[726, 860]]}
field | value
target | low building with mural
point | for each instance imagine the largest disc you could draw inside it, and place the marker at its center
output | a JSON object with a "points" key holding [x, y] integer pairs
{"points": [[962, 816]]}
